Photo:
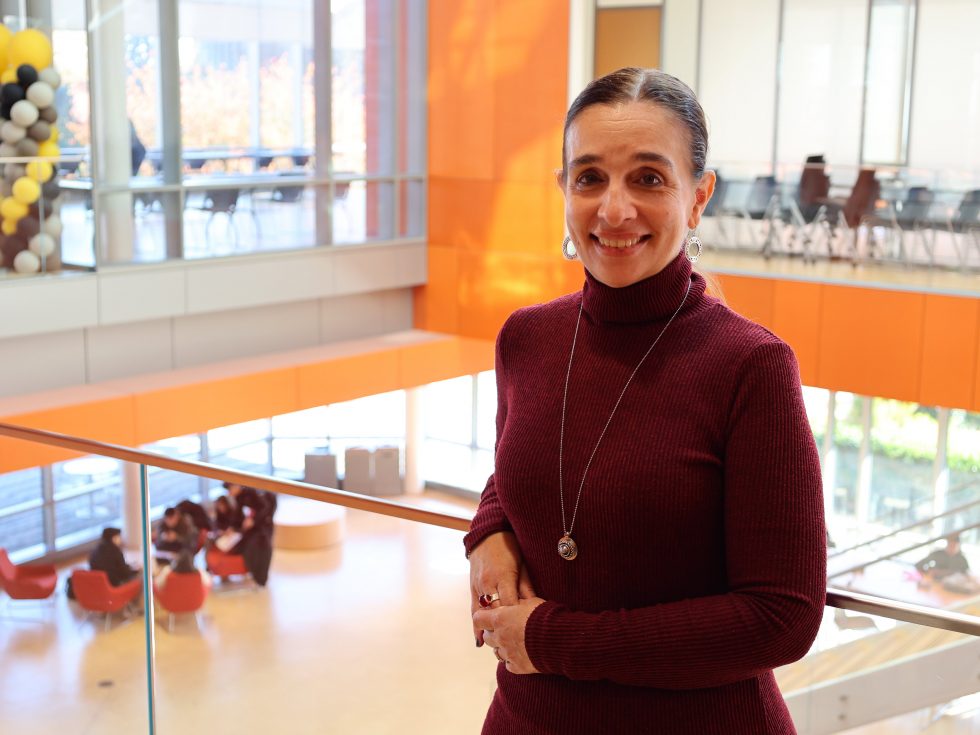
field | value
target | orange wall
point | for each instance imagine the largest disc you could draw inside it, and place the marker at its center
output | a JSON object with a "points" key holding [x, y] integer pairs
{"points": [[497, 98]]}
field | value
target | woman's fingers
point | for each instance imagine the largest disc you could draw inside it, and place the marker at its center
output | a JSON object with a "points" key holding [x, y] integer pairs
{"points": [[525, 589]]}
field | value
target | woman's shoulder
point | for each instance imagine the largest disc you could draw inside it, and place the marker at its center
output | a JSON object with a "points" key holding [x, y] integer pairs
{"points": [[538, 316], [737, 332]]}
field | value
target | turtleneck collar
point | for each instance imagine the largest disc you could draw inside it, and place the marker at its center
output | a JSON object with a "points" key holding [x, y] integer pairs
{"points": [[651, 299]]}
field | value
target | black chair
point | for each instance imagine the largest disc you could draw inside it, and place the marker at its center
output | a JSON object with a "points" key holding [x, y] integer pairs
{"points": [[220, 201], [967, 224], [912, 216]]}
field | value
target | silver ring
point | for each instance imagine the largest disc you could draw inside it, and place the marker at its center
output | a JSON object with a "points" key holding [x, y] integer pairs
{"points": [[488, 600]]}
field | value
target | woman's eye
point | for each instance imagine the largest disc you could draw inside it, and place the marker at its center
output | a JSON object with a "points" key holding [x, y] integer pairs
{"points": [[650, 179], [586, 179]]}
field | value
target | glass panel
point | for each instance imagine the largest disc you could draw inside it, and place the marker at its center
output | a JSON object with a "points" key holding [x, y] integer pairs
{"points": [[887, 96], [815, 400], [411, 209], [456, 465], [363, 104], [847, 440], [963, 458], [903, 437], [449, 410], [486, 409], [821, 80], [81, 518], [363, 211], [229, 437], [22, 533], [20, 487], [309, 423]]}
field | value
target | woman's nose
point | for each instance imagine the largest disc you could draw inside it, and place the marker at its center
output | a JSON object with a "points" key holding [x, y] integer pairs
{"points": [[616, 206]]}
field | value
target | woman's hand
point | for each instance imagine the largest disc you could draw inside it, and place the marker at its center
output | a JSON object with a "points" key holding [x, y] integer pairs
{"points": [[503, 630], [496, 566]]}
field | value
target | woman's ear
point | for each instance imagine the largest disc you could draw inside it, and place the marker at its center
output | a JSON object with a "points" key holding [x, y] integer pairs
{"points": [[702, 194], [560, 178]]}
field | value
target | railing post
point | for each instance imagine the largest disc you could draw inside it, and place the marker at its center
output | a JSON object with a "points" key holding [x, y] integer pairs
{"points": [[148, 617]]}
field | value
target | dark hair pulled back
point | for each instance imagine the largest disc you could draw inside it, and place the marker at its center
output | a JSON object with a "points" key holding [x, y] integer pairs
{"points": [[632, 84]]}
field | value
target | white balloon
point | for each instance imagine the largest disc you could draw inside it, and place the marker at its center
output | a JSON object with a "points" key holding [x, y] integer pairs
{"points": [[42, 244], [27, 262], [7, 150], [52, 226], [11, 132], [41, 94], [24, 113], [50, 77]]}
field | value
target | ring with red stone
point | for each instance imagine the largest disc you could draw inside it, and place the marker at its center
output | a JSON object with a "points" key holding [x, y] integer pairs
{"points": [[488, 600]]}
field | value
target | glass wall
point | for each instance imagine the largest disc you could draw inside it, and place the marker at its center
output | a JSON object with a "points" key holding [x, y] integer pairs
{"points": [[199, 134]]}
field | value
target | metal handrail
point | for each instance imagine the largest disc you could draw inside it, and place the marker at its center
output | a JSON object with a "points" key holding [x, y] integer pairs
{"points": [[843, 599], [903, 529]]}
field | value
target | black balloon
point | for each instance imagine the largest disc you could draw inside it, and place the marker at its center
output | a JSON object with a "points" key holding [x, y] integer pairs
{"points": [[5, 110], [50, 189], [11, 93], [26, 75]]}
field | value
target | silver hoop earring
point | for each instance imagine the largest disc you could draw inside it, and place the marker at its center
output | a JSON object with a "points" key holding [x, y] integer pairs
{"points": [[568, 249], [693, 242]]}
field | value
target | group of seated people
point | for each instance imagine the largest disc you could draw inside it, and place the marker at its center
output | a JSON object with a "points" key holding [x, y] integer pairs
{"points": [[240, 523]]}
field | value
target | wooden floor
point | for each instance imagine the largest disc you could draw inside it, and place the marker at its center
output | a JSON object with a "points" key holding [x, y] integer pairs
{"points": [[371, 636]]}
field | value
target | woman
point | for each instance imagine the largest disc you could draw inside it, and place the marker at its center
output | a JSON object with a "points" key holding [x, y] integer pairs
{"points": [[182, 564], [651, 544]]}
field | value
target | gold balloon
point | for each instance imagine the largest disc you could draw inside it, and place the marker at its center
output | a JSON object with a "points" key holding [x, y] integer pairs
{"points": [[26, 190], [8, 75], [12, 210], [5, 36], [48, 149], [40, 170], [30, 46], [8, 227]]}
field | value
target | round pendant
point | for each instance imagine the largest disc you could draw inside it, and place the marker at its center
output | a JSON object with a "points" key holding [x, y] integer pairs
{"points": [[567, 549]]}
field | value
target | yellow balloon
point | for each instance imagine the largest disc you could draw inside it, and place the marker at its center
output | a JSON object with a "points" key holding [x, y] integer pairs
{"points": [[54, 134], [12, 210], [9, 227], [8, 75], [40, 170], [5, 35], [26, 190], [32, 47], [48, 149]]}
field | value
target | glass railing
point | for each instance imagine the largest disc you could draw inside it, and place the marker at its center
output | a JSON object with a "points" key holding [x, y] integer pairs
{"points": [[361, 626]]}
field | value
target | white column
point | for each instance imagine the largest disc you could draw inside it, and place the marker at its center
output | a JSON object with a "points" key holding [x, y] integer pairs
{"points": [[322, 91], [865, 462], [111, 150], [414, 438], [581, 45], [132, 514]]}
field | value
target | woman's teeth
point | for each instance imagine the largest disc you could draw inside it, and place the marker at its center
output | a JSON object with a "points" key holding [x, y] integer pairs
{"points": [[618, 243]]}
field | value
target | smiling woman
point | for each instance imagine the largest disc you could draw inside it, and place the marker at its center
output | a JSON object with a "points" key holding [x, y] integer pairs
{"points": [[651, 543]]}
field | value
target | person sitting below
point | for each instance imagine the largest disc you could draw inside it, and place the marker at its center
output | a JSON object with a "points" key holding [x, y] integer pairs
{"points": [[223, 528], [944, 562], [174, 520], [182, 564], [108, 557], [195, 513], [256, 527]]}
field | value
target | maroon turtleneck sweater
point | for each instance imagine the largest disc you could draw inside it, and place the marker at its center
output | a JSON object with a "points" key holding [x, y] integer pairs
{"points": [[700, 529]]}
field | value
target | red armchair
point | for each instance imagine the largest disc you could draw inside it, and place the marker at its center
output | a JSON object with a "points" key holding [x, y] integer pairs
{"points": [[94, 593], [224, 565], [26, 581], [181, 593]]}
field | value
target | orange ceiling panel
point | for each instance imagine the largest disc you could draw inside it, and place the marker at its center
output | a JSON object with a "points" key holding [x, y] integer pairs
{"points": [[796, 319], [751, 297], [949, 355]]}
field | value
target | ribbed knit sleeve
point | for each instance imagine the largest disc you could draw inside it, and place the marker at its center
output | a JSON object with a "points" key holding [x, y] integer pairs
{"points": [[775, 560], [490, 516]]}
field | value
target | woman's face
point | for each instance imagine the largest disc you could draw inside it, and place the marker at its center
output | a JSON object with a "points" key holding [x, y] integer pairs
{"points": [[630, 195]]}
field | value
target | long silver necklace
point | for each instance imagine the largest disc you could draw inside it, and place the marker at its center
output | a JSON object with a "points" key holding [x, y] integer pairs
{"points": [[567, 548]]}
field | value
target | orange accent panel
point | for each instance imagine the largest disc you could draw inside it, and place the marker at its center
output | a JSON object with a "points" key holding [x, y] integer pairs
{"points": [[460, 212], [187, 409], [432, 361], [460, 109], [796, 319], [976, 387], [523, 217], [949, 356], [109, 420], [750, 297], [871, 342], [347, 378], [437, 304]]}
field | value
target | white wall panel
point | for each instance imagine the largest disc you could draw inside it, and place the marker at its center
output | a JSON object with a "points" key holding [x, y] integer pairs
{"points": [[738, 72], [137, 295], [41, 361], [365, 315], [679, 46], [39, 304], [821, 80], [363, 269], [121, 350], [399, 310], [945, 124], [245, 282], [226, 335]]}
